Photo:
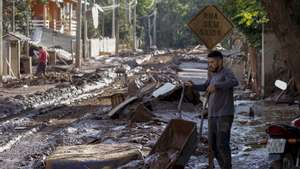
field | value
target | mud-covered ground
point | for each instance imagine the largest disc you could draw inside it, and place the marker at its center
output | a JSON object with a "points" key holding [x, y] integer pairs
{"points": [[33, 124], [26, 142]]}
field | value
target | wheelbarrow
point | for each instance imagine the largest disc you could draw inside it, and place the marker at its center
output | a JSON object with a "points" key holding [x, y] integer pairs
{"points": [[175, 146]]}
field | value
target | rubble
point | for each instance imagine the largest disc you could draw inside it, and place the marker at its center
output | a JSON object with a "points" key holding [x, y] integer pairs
{"points": [[113, 112], [141, 114], [163, 90], [56, 96]]}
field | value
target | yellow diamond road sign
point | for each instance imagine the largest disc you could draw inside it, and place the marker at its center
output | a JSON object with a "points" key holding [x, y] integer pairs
{"points": [[211, 26]]}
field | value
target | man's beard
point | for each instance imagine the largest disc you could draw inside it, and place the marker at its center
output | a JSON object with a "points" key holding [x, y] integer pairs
{"points": [[214, 70]]}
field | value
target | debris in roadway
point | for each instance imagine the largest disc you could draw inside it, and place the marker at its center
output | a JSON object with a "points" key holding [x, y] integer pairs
{"points": [[163, 90], [92, 156]]}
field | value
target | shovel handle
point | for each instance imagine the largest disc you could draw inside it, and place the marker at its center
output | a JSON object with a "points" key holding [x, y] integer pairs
{"points": [[180, 101]]}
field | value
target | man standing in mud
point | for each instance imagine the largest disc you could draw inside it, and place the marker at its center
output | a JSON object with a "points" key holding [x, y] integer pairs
{"points": [[219, 87], [43, 58]]}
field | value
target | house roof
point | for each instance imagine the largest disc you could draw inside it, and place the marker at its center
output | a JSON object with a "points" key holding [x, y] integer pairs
{"points": [[16, 36]]}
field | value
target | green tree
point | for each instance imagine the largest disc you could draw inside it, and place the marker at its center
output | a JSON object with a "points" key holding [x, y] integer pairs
{"points": [[248, 17], [173, 17], [22, 12]]}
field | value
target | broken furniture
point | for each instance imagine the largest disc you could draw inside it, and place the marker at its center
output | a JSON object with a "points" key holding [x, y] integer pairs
{"points": [[121, 76], [117, 99]]}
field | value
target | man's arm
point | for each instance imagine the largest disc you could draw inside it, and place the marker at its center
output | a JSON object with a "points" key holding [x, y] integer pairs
{"points": [[229, 82]]}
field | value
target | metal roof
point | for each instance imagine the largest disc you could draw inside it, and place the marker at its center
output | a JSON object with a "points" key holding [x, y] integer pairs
{"points": [[16, 36]]}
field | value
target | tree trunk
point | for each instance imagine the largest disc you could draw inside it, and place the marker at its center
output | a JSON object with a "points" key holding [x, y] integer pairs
{"points": [[117, 26], [283, 16]]}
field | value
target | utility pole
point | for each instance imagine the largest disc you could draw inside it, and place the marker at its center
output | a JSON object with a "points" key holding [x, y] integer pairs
{"points": [[78, 36], [1, 53], [27, 30], [13, 16], [103, 24], [113, 29], [149, 31], [84, 51], [134, 26], [154, 25], [263, 62], [127, 10], [117, 27]]}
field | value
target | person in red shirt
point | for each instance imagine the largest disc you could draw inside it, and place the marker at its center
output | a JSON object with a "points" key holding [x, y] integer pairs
{"points": [[43, 58]]}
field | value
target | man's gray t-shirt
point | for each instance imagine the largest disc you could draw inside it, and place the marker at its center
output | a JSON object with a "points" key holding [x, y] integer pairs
{"points": [[220, 103]]}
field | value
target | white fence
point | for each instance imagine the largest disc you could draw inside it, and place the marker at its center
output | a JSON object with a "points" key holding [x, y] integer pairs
{"points": [[105, 45], [40, 23]]}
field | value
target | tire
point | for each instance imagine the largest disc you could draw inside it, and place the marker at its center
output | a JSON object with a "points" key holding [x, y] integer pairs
{"points": [[288, 161]]}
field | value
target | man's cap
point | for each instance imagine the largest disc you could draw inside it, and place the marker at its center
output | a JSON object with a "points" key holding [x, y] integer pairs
{"points": [[215, 54]]}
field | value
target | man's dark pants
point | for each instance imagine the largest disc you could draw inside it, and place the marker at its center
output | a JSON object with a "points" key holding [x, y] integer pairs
{"points": [[219, 139], [41, 69]]}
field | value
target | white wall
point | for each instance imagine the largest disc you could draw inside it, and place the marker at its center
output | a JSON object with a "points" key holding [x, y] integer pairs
{"points": [[50, 38]]}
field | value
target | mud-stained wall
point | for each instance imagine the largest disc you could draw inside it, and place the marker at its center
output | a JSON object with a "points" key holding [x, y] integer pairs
{"points": [[274, 64], [237, 66]]}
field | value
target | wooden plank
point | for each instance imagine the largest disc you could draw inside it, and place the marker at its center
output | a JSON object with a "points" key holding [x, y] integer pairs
{"points": [[92, 156]]}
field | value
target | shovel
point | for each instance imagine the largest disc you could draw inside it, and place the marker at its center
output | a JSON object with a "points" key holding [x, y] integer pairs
{"points": [[210, 154], [202, 115], [179, 107]]}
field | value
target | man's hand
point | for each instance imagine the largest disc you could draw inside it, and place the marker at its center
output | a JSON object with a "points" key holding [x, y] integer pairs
{"points": [[188, 83], [211, 89]]}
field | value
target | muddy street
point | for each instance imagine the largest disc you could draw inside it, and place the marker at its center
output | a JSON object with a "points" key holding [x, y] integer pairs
{"points": [[35, 125], [26, 142]]}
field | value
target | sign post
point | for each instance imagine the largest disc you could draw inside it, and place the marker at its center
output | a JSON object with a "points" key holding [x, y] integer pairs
{"points": [[211, 26]]}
